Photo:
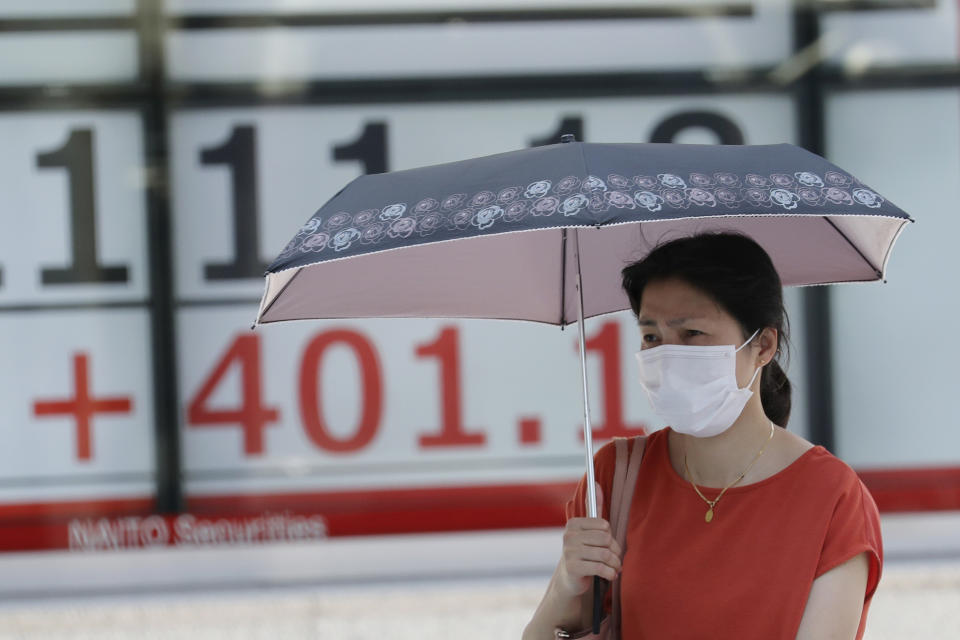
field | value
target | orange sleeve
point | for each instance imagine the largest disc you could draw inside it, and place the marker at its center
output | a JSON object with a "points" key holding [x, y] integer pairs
{"points": [[604, 462], [854, 529]]}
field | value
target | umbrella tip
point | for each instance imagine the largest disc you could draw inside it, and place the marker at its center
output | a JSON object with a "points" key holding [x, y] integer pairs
{"points": [[568, 137]]}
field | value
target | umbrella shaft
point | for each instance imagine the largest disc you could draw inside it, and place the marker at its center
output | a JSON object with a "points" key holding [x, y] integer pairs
{"points": [[587, 427]]}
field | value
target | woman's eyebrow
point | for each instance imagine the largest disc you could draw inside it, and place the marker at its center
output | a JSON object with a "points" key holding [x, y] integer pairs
{"points": [[647, 322]]}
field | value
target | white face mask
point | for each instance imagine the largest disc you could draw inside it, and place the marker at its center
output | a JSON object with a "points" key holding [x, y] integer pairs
{"points": [[695, 388]]}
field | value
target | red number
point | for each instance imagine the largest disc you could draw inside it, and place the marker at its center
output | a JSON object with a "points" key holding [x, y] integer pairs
{"points": [[252, 416], [310, 379], [452, 432], [606, 343]]}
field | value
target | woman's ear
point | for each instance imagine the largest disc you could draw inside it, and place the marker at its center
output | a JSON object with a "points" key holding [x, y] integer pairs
{"points": [[768, 341]]}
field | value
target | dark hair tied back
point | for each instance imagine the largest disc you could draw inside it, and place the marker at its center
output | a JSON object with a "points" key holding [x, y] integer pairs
{"points": [[738, 274]]}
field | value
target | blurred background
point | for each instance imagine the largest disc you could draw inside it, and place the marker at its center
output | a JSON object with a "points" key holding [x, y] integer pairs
{"points": [[167, 472]]}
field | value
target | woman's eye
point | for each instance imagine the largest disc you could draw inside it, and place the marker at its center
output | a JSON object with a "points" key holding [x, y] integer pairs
{"points": [[692, 333], [649, 337]]}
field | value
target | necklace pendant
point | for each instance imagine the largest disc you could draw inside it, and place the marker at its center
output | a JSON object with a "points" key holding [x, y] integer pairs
{"points": [[709, 516]]}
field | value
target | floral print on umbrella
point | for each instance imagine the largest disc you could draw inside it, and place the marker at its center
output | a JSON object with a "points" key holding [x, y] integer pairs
{"points": [[701, 197], [402, 228], [373, 233], [545, 206], [425, 205], [344, 239], [784, 198], [393, 211], [572, 205], [567, 185], [700, 180], [617, 181], [648, 200], [338, 220], [672, 181], [315, 242], [837, 196], [509, 194], [620, 200], [429, 223], [579, 199], [487, 216], [867, 197]]}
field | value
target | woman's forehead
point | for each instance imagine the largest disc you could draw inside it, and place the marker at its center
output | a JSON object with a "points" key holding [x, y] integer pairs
{"points": [[674, 301]]}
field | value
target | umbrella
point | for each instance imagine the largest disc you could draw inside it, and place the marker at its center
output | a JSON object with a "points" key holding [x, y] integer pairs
{"points": [[541, 234]]}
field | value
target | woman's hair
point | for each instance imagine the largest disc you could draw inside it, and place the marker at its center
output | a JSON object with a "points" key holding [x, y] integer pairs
{"points": [[738, 274]]}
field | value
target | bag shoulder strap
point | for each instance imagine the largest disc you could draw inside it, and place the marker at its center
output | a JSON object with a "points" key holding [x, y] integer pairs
{"points": [[625, 481]]}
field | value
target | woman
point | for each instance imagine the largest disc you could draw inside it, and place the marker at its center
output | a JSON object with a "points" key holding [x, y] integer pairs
{"points": [[738, 528]]}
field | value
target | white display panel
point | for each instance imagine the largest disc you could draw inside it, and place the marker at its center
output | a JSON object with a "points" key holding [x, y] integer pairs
{"points": [[858, 40], [894, 361], [290, 154], [77, 392], [73, 223], [49, 57], [479, 49]]}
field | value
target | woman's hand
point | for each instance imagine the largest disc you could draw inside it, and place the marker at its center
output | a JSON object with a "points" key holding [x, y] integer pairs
{"points": [[589, 549]]}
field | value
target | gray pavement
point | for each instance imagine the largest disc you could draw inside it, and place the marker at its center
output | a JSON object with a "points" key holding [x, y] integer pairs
{"points": [[916, 600]]}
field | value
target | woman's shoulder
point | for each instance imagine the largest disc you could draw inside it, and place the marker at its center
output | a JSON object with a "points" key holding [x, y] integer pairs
{"points": [[819, 465], [608, 452], [605, 458]]}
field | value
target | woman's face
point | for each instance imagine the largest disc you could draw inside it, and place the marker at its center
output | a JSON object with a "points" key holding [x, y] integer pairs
{"points": [[674, 312]]}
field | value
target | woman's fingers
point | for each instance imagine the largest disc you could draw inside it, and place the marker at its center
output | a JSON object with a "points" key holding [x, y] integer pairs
{"points": [[588, 569], [589, 549], [601, 539], [591, 531], [601, 554]]}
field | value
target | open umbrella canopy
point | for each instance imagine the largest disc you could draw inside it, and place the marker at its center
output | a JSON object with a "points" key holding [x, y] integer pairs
{"points": [[492, 237]]}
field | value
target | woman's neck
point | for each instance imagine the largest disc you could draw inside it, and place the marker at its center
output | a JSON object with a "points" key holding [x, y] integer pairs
{"points": [[719, 460]]}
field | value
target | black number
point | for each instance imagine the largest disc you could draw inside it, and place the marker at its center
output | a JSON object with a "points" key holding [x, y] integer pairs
{"points": [[76, 156], [370, 148], [239, 153], [726, 129], [571, 124]]}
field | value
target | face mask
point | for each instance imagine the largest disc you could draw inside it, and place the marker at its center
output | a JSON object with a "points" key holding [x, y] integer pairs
{"points": [[695, 388]]}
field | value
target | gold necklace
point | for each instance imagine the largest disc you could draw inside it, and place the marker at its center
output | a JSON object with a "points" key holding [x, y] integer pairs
{"points": [[713, 503]]}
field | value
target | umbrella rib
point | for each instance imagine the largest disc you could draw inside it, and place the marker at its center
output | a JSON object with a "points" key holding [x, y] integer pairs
{"points": [[855, 247], [280, 293], [563, 277]]}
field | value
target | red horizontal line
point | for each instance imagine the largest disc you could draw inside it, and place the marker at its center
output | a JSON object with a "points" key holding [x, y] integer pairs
{"points": [[355, 501], [529, 504], [77, 509], [420, 510], [915, 489]]}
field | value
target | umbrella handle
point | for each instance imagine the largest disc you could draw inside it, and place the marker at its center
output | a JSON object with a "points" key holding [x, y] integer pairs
{"points": [[599, 591]]}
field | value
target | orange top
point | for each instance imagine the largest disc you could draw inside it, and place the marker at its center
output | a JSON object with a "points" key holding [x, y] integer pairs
{"points": [[748, 573]]}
